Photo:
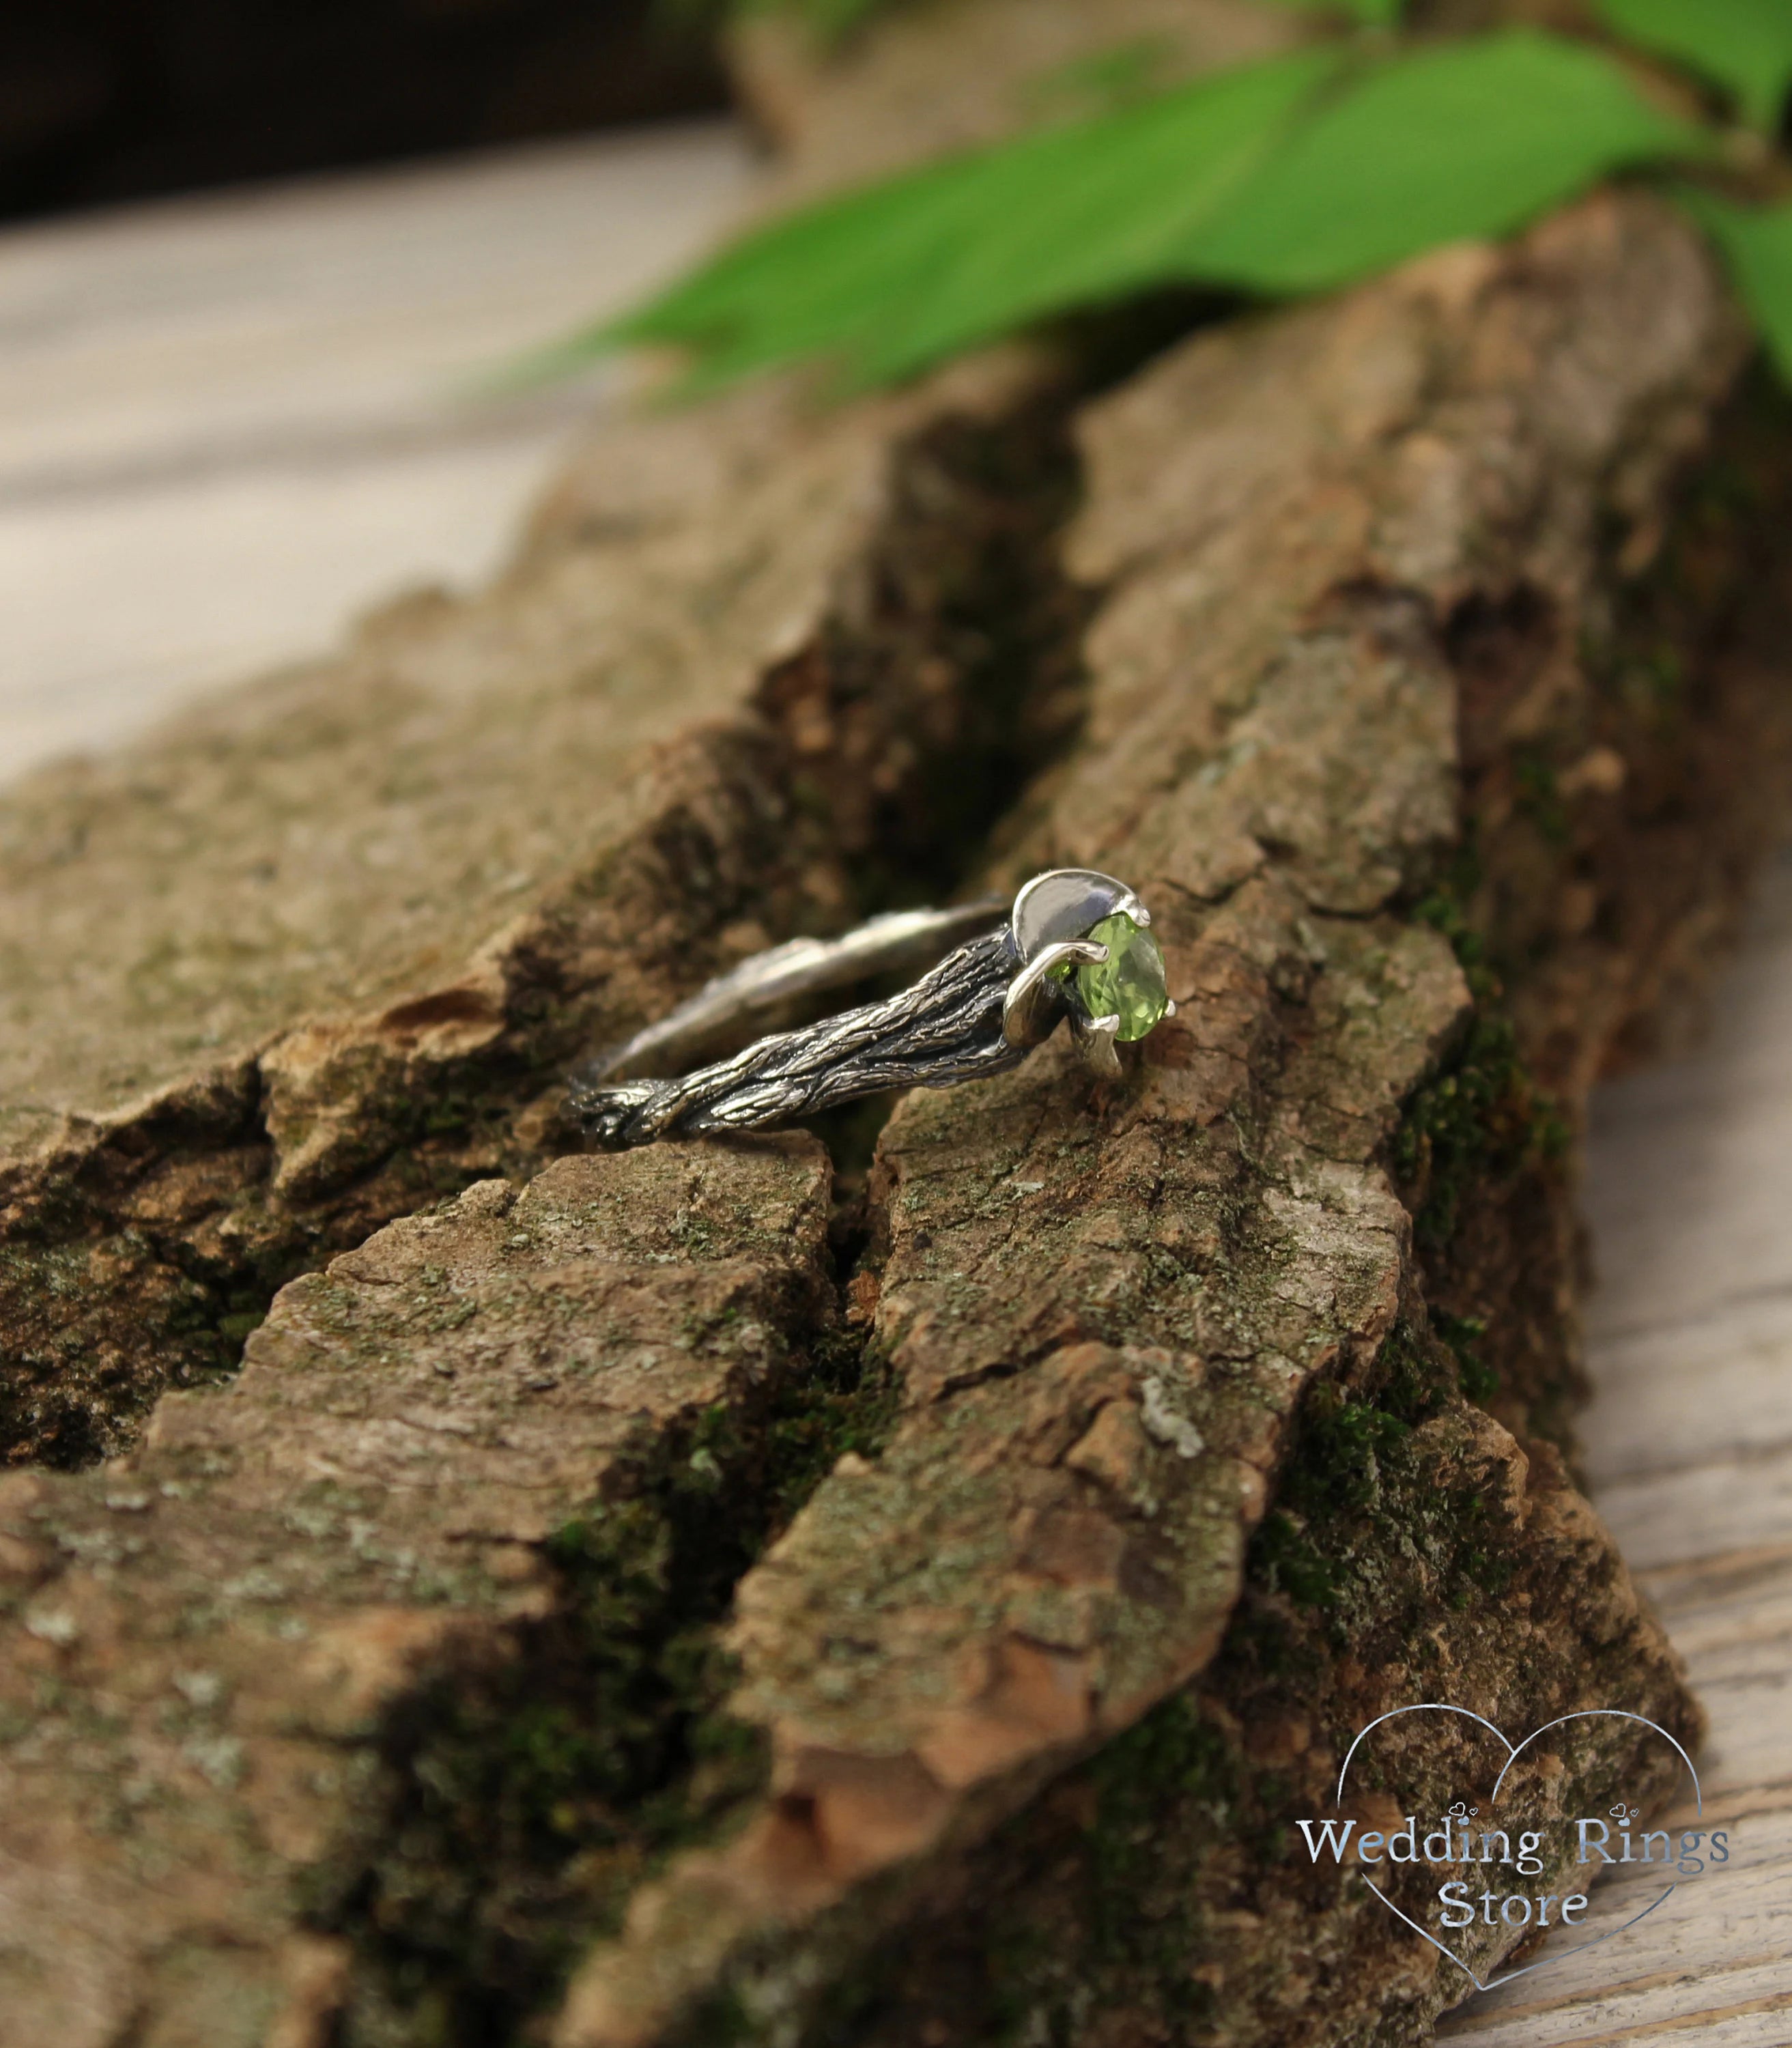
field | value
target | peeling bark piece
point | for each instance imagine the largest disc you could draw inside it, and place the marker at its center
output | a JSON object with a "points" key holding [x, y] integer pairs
{"points": [[1139, 1901], [203, 1642], [324, 950], [1284, 517]]}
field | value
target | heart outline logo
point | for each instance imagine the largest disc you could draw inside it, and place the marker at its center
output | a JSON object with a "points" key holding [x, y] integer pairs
{"points": [[1514, 1750]]}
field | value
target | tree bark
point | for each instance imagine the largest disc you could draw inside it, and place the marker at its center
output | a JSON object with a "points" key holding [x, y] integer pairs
{"points": [[747, 1589]]}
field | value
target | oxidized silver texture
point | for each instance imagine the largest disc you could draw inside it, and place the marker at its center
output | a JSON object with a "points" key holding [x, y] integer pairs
{"points": [[979, 1013]]}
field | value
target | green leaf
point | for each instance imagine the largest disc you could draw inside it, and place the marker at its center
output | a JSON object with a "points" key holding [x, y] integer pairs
{"points": [[894, 277], [1464, 140], [1085, 220], [1260, 179], [1744, 44], [1756, 242]]}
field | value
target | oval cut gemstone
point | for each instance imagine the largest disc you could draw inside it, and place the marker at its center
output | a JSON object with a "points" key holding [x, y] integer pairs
{"points": [[1128, 984]]}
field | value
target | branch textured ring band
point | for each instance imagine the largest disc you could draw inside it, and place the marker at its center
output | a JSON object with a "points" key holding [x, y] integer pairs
{"points": [[1075, 946]]}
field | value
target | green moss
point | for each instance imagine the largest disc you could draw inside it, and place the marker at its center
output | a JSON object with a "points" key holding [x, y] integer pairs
{"points": [[1462, 1333], [1335, 1471], [1412, 1379], [1091, 1903], [1480, 1116], [1351, 1488], [1285, 1561], [1478, 1156], [1445, 909], [1173, 1757], [1477, 1116], [68, 1313], [1538, 795], [1481, 1564], [1105, 1913], [80, 1285], [849, 1400], [721, 2021], [1342, 1445], [522, 1802]]}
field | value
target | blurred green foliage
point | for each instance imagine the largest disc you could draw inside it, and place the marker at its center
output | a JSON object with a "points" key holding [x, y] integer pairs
{"points": [[891, 278], [1290, 176], [1756, 242], [1437, 145], [1743, 45]]}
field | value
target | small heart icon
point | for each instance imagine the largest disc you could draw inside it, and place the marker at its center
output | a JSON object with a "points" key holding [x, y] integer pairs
{"points": [[1458, 1814]]}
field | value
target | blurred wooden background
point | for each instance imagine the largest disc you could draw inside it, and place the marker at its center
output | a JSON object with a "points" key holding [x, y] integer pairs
{"points": [[228, 424], [1690, 1447]]}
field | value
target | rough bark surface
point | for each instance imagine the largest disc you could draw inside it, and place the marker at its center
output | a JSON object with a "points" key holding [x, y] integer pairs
{"points": [[662, 1596], [315, 956], [1105, 1309], [201, 1647]]}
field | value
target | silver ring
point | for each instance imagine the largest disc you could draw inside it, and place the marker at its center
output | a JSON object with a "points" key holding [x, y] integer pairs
{"points": [[1075, 946]]}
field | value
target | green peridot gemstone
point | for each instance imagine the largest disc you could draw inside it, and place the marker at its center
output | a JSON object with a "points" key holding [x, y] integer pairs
{"points": [[1128, 984]]}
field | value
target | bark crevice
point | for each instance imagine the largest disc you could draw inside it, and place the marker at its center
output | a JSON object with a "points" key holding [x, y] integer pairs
{"points": [[870, 769]]}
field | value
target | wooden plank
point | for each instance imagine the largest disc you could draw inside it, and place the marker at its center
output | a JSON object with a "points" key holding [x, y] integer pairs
{"points": [[1690, 1443], [227, 424]]}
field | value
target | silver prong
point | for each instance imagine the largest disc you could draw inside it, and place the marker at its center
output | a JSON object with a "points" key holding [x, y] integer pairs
{"points": [[1129, 907], [1094, 1041], [1031, 1008], [1169, 1008]]}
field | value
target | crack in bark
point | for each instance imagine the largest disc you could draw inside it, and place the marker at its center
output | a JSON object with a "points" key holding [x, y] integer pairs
{"points": [[1298, 1265], [1144, 1898], [864, 771]]}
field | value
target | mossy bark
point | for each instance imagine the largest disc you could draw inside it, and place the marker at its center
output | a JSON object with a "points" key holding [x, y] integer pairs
{"points": [[624, 1600], [324, 952], [1396, 984]]}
